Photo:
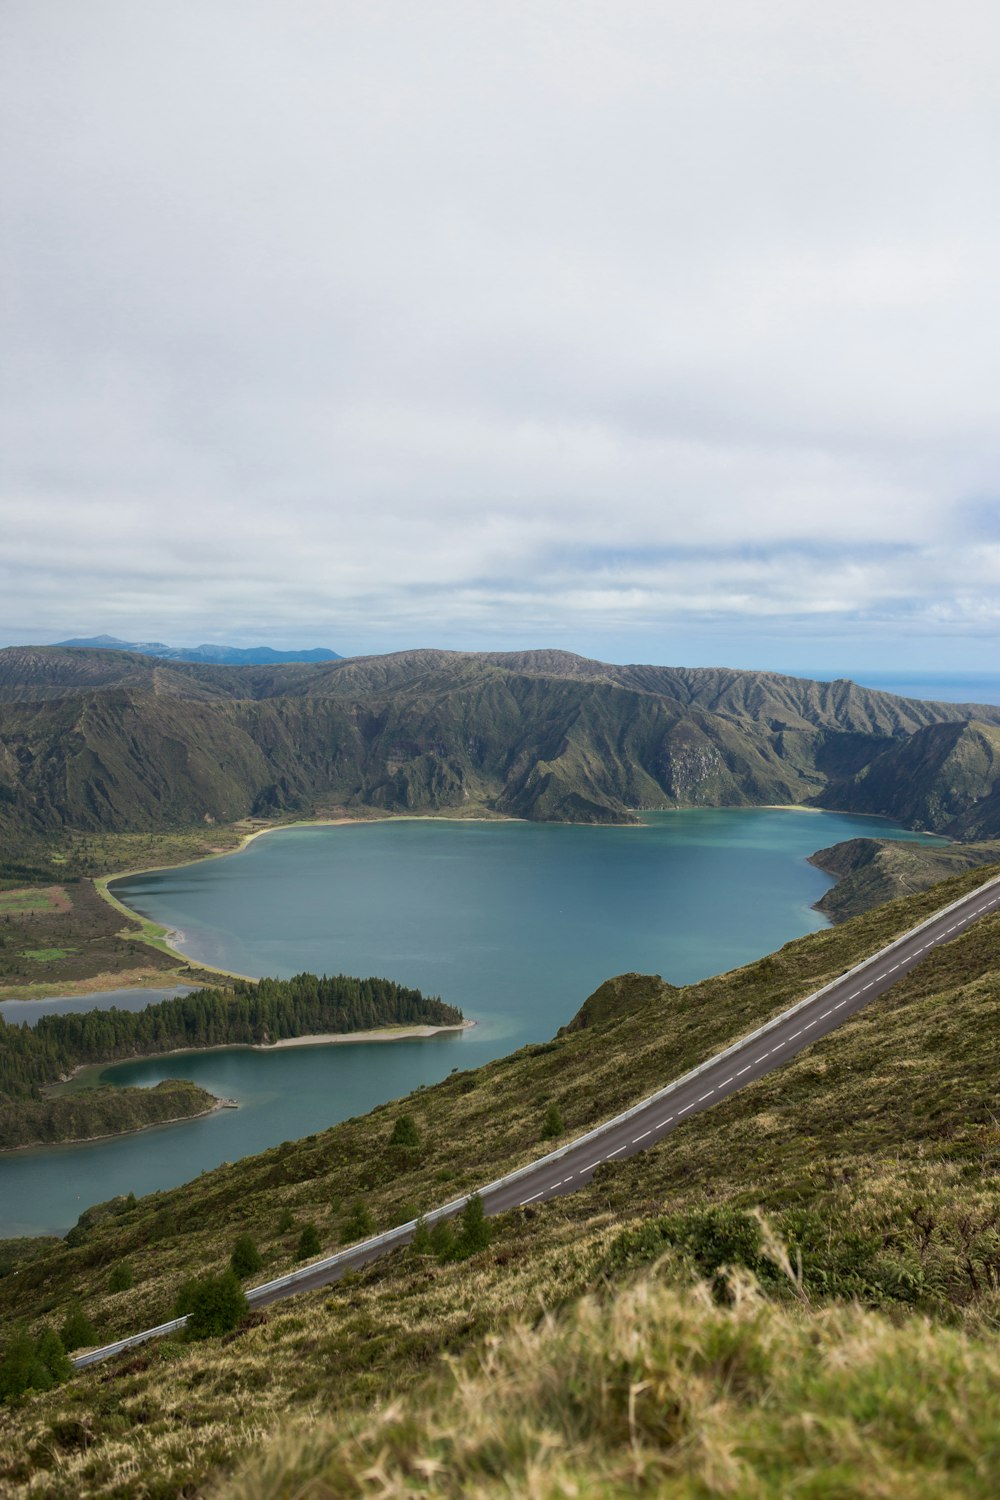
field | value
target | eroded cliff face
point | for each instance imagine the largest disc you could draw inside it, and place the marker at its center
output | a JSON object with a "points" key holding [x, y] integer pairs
{"points": [[105, 740]]}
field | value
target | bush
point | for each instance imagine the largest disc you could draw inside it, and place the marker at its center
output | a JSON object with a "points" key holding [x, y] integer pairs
{"points": [[405, 1133], [474, 1231], [421, 1241], [710, 1238], [52, 1355], [552, 1125], [309, 1243], [78, 1332], [358, 1225], [214, 1305], [285, 1221], [33, 1365], [442, 1240], [245, 1258], [121, 1278]]}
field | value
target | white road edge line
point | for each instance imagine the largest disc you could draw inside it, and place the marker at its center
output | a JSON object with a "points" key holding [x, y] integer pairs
{"points": [[299, 1280]]}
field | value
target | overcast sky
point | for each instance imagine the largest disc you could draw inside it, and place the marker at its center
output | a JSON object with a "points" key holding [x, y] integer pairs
{"points": [[660, 331]]}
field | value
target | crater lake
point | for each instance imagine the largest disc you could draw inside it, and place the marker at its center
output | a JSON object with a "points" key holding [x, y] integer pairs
{"points": [[517, 923]]}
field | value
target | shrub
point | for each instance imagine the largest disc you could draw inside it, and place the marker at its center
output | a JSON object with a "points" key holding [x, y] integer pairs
{"points": [[285, 1221], [474, 1231], [552, 1125], [121, 1278], [33, 1364], [214, 1305], [711, 1239], [309, 1243], [421, 1241], [78, 1331], [442, 1240], [245, 1258], [52, 1355], [405, 1133], [21, 1370], [359, 1223]]}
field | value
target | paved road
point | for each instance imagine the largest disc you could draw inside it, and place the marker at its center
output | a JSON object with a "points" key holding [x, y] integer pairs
{"points": [[572, 1166]]}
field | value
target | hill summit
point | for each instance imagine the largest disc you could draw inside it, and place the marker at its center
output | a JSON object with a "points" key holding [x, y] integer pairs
{"points": [[95, 738], [231, 656]]}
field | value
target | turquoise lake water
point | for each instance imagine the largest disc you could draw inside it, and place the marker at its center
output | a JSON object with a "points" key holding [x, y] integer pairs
{"points": [[515, 922]]}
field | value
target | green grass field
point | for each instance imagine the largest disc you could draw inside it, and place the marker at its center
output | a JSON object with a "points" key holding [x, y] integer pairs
{"points": [[24, 901]]}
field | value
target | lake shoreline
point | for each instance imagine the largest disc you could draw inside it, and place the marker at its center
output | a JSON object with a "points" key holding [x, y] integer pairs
{"points": [[117, 1135], [102, 883], [420, 1031]]}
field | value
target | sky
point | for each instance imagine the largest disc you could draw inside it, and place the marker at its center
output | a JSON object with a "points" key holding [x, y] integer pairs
{"points": [[658, 332]]}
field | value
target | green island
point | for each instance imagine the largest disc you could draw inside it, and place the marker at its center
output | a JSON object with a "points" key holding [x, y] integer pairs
{"points": [[265, 1013], [800, 1283]]}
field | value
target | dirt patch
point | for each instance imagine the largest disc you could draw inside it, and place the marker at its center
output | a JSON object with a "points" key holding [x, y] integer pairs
{"points": [[31, 900], [96, 949]]}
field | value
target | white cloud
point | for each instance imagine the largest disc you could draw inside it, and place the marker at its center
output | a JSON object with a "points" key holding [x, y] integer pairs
{"points": [[352, 319]]}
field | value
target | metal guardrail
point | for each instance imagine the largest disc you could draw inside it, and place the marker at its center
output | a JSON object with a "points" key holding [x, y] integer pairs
{"points": [[403, 1232]]}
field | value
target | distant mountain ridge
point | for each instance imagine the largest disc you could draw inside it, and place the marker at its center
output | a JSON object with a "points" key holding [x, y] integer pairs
{"points": [[230, 656], [96, 738]]}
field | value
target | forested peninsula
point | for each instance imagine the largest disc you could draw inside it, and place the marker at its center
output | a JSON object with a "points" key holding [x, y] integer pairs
{"points": [[251, 1014], [93, 1113]]}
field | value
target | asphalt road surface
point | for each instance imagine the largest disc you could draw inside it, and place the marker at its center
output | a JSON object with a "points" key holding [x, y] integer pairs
{"points": [[572, 1166]]}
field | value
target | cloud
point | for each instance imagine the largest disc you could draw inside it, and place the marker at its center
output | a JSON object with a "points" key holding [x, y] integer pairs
{"points": [[387, 323]]}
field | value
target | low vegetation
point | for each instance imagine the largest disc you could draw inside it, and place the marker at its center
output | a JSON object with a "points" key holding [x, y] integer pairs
{"points": [[870, 871], [653, 1391], [800, 1283], [91, 1113]]}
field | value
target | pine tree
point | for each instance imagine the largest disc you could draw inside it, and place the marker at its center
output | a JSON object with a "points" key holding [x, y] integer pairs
{"points": [[358, 1225], [78, 1332], [474, 1233], [52, 1355], [442, 1239], [121, 1277], [552, 1125], [215, 1305], [309, 1243], [405, 1133], [245, 1258]]}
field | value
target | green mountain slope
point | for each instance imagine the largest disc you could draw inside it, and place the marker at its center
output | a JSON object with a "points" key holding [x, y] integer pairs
{"points": [[873, 1156], [942, 777], [103, 740], [870, 871]]}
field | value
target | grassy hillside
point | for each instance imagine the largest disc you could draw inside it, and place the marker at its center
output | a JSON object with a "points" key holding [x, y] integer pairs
{"points": [[100, 740], [656, 1391], [874, 1157], [870, 871]]}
